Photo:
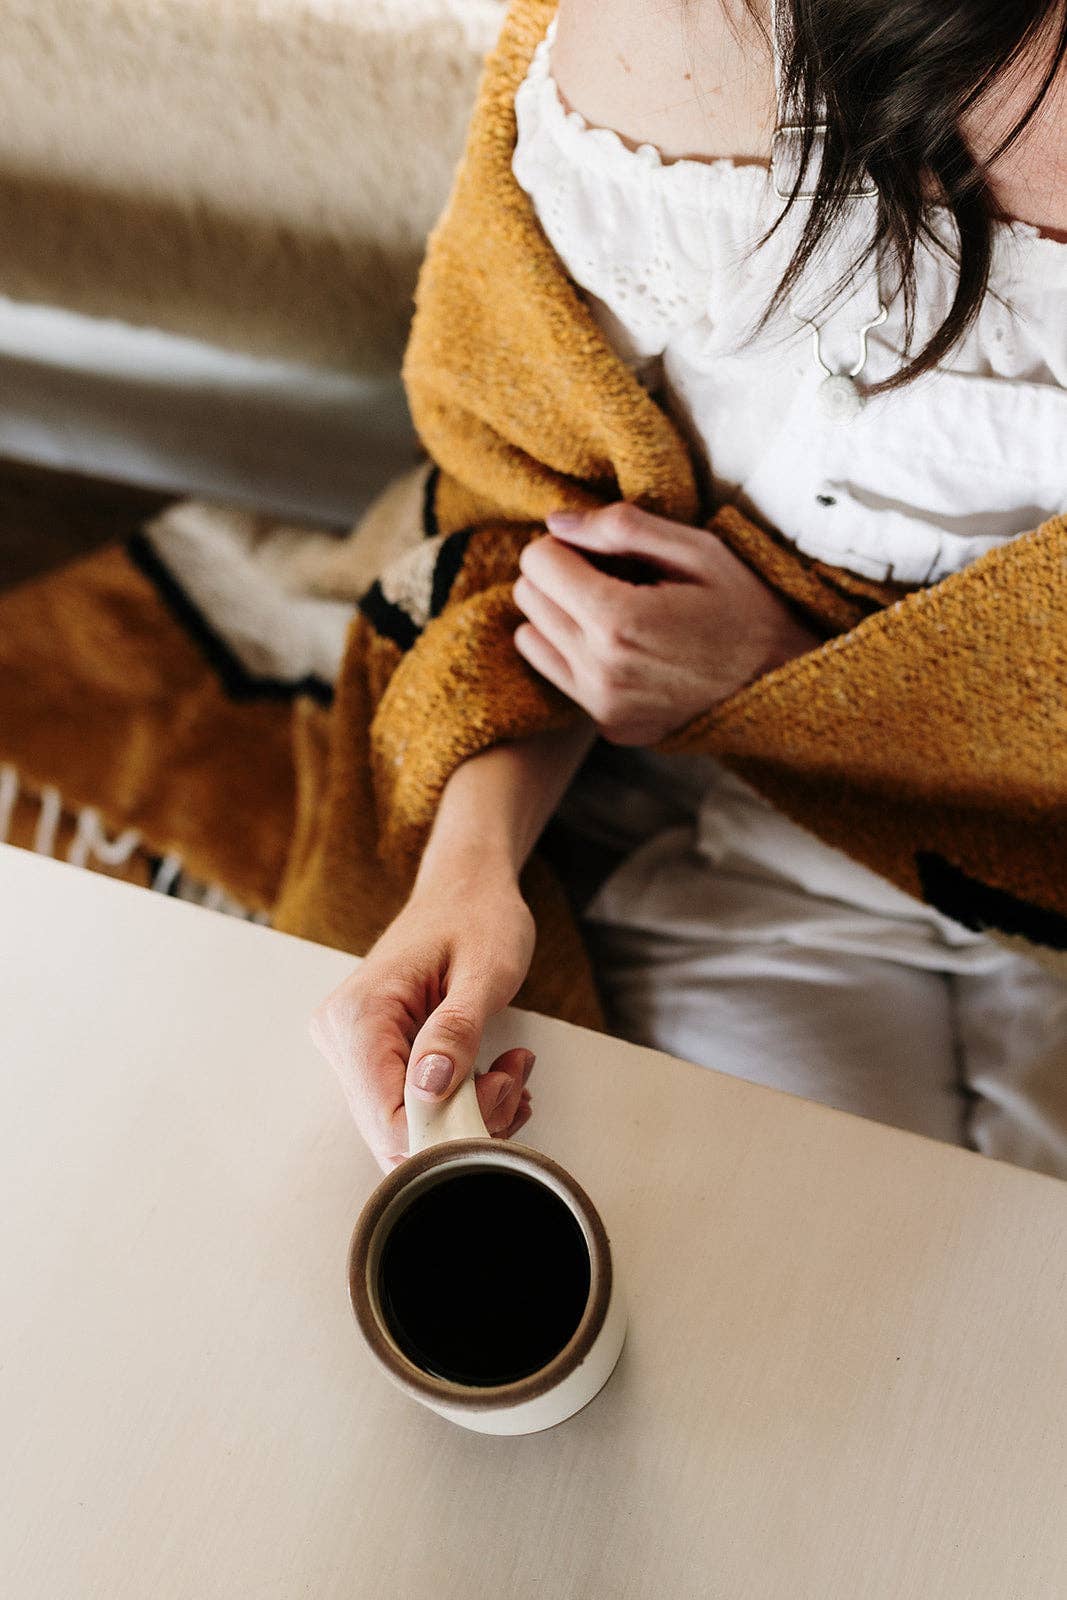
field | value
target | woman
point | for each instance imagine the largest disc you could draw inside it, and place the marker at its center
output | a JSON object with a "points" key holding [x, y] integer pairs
{"points": [[658, 149]]}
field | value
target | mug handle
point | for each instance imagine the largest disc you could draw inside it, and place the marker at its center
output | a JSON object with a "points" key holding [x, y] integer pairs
{"points": [[433, 1122]]}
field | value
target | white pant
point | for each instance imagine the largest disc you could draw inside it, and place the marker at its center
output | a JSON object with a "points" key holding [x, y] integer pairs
{"points": [[734, 939]]}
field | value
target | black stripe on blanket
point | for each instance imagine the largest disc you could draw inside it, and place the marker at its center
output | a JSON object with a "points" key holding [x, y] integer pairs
{"points": [[449, 562], [429, 503], [238, 682], [982, 908], [394, 622], [391, 621]]}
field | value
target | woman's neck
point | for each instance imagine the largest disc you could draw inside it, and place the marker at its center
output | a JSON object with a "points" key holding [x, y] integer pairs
{"points": [[1029, 181]]}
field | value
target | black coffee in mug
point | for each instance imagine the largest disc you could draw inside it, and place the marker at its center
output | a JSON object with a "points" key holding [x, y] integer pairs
{"points": [[484, 1277]]}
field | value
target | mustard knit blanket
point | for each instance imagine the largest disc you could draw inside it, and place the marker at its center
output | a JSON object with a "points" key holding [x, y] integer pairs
{"points": [[217, 690]]}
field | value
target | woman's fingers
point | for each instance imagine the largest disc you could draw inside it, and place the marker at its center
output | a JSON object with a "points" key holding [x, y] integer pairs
{"points": [[444, 1048], [366, 1038], [495, 1089], [545, 659], [551, 620], [502, 1088], [369, 1052], [625, 530], [571, 582], [522, 1117], [404, 1024]]}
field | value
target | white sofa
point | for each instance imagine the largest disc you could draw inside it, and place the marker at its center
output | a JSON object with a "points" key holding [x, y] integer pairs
{"points": [[213, 213]]}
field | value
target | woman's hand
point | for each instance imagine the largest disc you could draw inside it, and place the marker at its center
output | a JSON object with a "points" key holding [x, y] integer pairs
{"points": [[644, 658], [416, 1007]]}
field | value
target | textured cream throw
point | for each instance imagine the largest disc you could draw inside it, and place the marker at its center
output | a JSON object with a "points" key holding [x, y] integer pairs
{"points": [[258, 173]]}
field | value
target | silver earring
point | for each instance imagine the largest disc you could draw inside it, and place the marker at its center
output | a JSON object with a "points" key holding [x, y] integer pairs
{"points": [[838, 396]]}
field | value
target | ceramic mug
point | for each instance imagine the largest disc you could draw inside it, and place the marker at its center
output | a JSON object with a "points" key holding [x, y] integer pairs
{"points": [[448, 1139]]}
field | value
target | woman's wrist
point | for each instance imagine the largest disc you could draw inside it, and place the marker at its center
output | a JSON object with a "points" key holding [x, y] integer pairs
{"points": [[495, 806], [450, 864]]}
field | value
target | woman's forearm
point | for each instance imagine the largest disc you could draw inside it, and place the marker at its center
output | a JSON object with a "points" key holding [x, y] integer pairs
{"points": [[496, 804]]}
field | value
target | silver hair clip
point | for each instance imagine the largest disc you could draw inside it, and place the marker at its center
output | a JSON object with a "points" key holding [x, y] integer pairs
{"points": [[784, 190], [838, 395]]}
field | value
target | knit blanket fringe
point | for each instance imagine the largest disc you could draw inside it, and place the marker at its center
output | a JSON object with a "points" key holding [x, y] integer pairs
{"points": [[45, 824]]}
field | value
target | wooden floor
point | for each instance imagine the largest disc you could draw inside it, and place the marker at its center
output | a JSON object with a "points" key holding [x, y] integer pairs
{"points": [[47, 517]]}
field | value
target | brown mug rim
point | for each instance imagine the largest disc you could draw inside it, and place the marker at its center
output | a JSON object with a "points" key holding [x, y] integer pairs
{"points": [[443, 1390]]}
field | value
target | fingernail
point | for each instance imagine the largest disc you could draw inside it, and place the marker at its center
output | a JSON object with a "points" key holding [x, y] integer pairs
{"points": [[564, 521], [505, 1090], [528, 1059], [434, 1074]]}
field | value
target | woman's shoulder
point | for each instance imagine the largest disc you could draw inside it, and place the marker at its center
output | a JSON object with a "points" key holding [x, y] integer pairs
{"points": [[693, 78]]}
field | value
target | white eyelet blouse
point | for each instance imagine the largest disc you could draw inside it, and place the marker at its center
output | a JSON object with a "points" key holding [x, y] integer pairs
{"points": [[921, 480], [915, 485]]}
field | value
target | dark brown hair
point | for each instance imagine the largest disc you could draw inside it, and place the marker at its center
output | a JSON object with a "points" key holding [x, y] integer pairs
{"points": [[892, 80]]}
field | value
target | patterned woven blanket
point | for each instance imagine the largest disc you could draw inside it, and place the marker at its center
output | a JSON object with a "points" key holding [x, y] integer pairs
{"points": [[278, 710]]}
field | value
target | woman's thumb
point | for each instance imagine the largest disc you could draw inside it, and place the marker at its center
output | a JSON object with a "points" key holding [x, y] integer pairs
{"points": [[446, 1045]]}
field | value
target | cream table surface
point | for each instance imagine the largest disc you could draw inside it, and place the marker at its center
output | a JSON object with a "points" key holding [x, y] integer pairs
{"points": [[845, 1377]]}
